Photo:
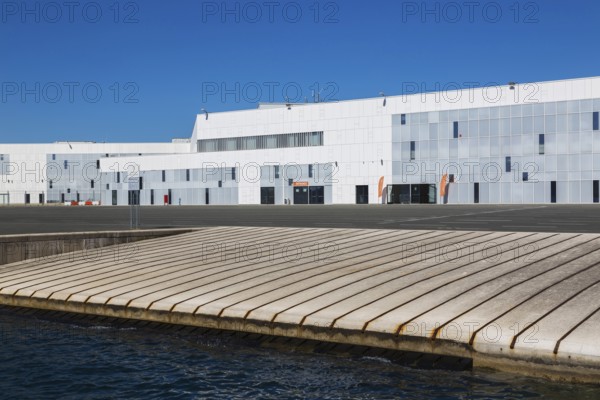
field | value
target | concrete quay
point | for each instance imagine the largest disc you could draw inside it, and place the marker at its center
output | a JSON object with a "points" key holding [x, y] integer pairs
{"points": [[516, 301]]}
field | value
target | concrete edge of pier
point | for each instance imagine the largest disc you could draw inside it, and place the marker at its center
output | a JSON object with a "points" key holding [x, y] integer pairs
{"points": [[16, 248], [561, 370]]}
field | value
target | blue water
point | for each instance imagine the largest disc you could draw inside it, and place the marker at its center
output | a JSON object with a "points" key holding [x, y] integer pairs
{"points": [[48, 358]]}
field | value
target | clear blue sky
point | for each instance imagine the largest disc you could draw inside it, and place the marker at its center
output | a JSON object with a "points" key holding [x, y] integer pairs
{"points": [[173, 58]]}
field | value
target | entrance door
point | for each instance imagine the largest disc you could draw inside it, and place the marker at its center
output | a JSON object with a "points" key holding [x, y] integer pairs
{"points": [[412, 194], [27, 198], [553, 192], [399, 194], [300, 195], [134, 198], [317, 194], [267, 195], [41, 198], [114, 198], [362, 195]]}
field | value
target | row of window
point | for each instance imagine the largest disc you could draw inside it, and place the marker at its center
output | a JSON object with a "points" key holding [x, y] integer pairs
{"points": [[287, 140], [541, 146], [525, 110], [486, 128]]}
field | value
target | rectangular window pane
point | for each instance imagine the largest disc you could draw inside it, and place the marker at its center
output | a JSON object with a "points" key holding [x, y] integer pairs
{"points": [[508, 164], [596, 122], [455, 135]]}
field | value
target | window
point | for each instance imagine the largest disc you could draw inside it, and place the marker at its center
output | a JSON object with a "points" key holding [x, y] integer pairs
{"points": [[413, 150], [596, 121], [66, 164], [596, 190], [476, 193], [220, 183], [403, 119], [1, 157], [97, 164], [277, 172], [151, 197], [303, 139], [118, 177], [233, 174], [310, 171], [50, 184], [164, 175], [290, 182], [92, 183], [451, 178], [542, 140], [508, 164], [455, 134], [53, 157], [187, 175], [141, 180], [107, 186], [525, 176]]}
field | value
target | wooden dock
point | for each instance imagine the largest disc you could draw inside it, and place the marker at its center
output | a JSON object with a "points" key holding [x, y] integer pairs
{"points": [[521, 302]]}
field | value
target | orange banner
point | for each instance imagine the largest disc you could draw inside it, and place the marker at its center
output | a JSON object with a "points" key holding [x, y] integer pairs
{"points": [[443, 185], [380, 190]]}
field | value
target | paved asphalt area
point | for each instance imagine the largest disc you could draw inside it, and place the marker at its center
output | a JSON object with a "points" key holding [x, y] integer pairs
{"points": [[522, 218]]}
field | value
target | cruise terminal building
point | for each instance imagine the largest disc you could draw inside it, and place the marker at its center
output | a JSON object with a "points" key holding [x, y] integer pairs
{"points": [[514, 144]]}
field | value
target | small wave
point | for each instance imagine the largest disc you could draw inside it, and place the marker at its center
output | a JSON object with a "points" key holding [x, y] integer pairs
{"points": [[377, 359]]}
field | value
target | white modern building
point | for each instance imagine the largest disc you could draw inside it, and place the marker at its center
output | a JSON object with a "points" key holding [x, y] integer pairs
{"points": [[514, 144]]}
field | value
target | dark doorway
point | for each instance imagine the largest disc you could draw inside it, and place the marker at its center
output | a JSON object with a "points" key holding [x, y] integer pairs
{"points": [[317, 194], [301, 195], [151, 197], [399, 194], [362, 195], [412, 194], [476, 193], [267, 195], [134, 198], [27, 198], [62, 197], [596, 191], [553, 192], [42, 198], [423, 194], [114, 198], [170, 197], [207, 196]]}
